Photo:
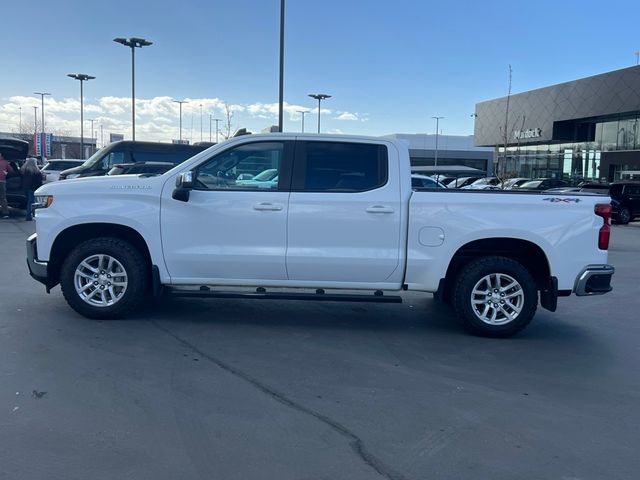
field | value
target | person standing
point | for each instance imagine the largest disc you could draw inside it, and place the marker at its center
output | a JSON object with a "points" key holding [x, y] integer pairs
{"points": [[31, 181], [5, 168]]}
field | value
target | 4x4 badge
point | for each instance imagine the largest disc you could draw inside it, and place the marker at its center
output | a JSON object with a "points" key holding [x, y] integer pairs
{"points": [[561, 200]]}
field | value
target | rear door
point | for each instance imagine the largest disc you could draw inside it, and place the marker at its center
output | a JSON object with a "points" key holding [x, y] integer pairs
{"points": [[344, 213]]}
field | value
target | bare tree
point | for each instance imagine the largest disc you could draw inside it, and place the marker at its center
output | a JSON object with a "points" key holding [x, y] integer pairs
{"points": [[502, 159], [229, 116]]}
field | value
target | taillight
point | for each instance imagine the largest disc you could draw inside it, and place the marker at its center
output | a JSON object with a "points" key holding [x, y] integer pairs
{"points": [[604, 210]]}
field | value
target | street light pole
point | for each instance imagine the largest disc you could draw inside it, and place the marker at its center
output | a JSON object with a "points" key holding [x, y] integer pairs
{"points": [[302, 113], [43, 149], [319, 97], [200, 122], [35, 129], [437, 132], [133, 43], [281, 86], [92, 142], [180, 102], [82, 77]]}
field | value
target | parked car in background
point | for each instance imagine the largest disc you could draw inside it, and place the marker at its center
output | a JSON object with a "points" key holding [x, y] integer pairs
{"points": [[487, 183], [54, 166], [543, 184], [423, 181], [514, 182], [132, 152], [462, 182], [149, 168]]}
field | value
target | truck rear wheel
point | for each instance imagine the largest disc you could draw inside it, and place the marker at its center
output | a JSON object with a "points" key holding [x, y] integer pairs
{"points": [[104, 278], [495, 296]]}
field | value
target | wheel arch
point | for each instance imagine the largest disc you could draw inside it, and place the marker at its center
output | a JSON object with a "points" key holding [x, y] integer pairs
{"points": [[76, 234], [526, 252]]}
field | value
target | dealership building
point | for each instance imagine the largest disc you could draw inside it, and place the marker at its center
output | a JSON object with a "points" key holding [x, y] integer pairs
{"points": [[587, 129], [445, 151]]}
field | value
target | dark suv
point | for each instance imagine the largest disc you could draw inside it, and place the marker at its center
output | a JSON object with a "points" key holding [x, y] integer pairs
{"points": [[625, 198], [627, 194]]}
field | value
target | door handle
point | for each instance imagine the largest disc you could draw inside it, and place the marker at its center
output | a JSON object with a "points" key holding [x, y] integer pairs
{"points": [[267, 207], [380, 209]]}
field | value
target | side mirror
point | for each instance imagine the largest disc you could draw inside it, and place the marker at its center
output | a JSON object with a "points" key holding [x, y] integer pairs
{"points": [[184, 184], [185, 180]]}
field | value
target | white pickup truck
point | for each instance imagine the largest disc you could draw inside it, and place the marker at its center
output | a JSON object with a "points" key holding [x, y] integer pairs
{"points": [[335, 219]]}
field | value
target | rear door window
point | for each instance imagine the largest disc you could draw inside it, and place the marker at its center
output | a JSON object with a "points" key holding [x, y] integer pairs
{"points": [[339, 167]]}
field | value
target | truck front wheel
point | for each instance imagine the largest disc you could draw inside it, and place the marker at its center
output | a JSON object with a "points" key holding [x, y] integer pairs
{"points": [[495, 296], [104, 278]]}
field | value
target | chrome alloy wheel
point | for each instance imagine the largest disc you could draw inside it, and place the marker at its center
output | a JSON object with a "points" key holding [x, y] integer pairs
{"points": [[100, 280], [497, 299]]}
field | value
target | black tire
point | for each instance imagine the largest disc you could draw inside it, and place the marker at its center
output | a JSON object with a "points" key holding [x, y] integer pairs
{"points": [[475, 272], [133, 264], [624, 216]]}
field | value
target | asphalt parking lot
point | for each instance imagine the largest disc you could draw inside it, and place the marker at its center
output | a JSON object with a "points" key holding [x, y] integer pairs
{"points": [[227, 389]]}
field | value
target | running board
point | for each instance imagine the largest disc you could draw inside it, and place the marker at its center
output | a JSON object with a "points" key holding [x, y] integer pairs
{"points": [[262, 294]]}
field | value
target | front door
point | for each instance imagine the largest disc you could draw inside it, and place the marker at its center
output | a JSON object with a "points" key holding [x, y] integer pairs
{"points": [[233, 227], [344, 214]]}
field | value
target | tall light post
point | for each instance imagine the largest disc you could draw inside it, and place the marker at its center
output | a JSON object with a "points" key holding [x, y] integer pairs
{"points": [[180, 102], [281, 86], [319, 97], [35, 129], [435, 163], [92, 141], [133, 43], [82, 77], [200, 122], [43, 149], [302, 113], [20, 119]]}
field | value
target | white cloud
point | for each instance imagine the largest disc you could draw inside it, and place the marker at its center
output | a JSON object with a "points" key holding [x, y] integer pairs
{"points": [[347, 116], [157, 118]]}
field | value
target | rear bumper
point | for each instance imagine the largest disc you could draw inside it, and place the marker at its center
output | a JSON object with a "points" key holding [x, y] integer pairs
{"points": [[37, 269], [594, 280]]}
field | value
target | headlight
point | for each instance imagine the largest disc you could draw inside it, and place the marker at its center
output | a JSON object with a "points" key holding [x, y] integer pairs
{"points": [[42, 201]]}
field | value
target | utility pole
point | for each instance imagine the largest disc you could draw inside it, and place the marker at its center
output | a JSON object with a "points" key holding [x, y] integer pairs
{"points": [[101, 136], [638, 57], [20, 120], [200, 122], [93, 144]]}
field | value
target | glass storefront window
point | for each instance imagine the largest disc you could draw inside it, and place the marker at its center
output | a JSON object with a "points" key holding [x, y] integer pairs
{"points": [[609, 136], [627, 134]]}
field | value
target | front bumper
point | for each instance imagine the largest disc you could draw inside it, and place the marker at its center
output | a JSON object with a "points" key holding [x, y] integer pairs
{"points": [[37, 269], [594, 280]]}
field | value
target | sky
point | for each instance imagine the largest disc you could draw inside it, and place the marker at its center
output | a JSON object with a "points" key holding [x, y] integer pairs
{"points": [[389, 66]]}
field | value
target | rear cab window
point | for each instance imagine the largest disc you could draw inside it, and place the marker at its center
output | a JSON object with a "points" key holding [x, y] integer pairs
{"points": [[339, 167]]}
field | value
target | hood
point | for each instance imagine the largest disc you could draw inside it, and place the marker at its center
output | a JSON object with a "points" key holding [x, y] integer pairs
{"points": [[14, 149], [98, 186]]}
